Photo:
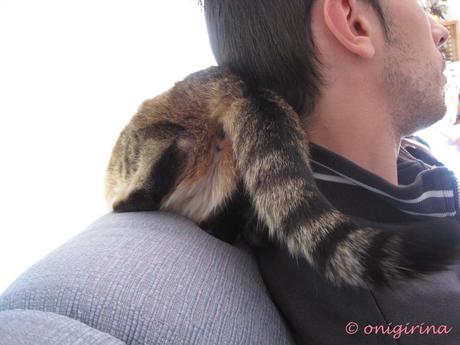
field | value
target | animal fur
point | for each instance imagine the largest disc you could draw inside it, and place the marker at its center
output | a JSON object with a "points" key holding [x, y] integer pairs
{"points": [[210, 139]]}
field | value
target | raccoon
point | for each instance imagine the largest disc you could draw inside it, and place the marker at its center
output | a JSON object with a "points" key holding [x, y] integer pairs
{"points": [[212, 139]]}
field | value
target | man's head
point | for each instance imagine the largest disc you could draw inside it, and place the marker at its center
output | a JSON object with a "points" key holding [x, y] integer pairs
{"points": [[306, 49]]}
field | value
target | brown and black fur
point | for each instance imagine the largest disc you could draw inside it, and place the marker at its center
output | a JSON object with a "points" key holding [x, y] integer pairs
{"points": [[212, 144]]}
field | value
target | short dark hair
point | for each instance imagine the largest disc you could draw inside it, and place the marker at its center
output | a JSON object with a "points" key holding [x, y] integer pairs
{"points": [[269, 43]]}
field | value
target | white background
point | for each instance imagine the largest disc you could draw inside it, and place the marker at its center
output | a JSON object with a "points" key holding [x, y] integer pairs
{"points": [[72, 73]]}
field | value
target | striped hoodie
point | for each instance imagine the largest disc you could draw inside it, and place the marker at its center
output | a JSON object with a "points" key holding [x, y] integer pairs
{"points": [[424, 190], [317, 312]]}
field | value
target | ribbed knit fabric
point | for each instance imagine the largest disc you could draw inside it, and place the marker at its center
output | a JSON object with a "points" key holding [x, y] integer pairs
{"points": [[153, 278], [33, 327]]}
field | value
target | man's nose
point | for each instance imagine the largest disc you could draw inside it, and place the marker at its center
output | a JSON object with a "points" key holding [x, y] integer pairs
{"points": [[440, 34]]}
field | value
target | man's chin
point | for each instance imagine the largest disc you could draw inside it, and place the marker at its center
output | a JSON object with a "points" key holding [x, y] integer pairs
{"points": [[429, 121], [425, 118]]}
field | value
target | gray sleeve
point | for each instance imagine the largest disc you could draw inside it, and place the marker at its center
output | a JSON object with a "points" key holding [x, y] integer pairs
{"points": [[34, 327], [153, 278]]}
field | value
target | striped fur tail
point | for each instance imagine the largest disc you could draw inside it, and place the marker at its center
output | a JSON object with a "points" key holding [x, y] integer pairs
{"points": [[272, 155]]}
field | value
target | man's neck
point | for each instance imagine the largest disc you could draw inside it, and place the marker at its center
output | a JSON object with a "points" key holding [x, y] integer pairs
{"points": [[369, 144]]}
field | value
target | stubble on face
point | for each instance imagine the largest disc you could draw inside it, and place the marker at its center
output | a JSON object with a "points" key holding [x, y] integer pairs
{"points": [[413, 85]]}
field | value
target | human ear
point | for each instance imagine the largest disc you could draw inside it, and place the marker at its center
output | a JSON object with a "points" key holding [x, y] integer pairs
{"points": [[348, 22]]}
